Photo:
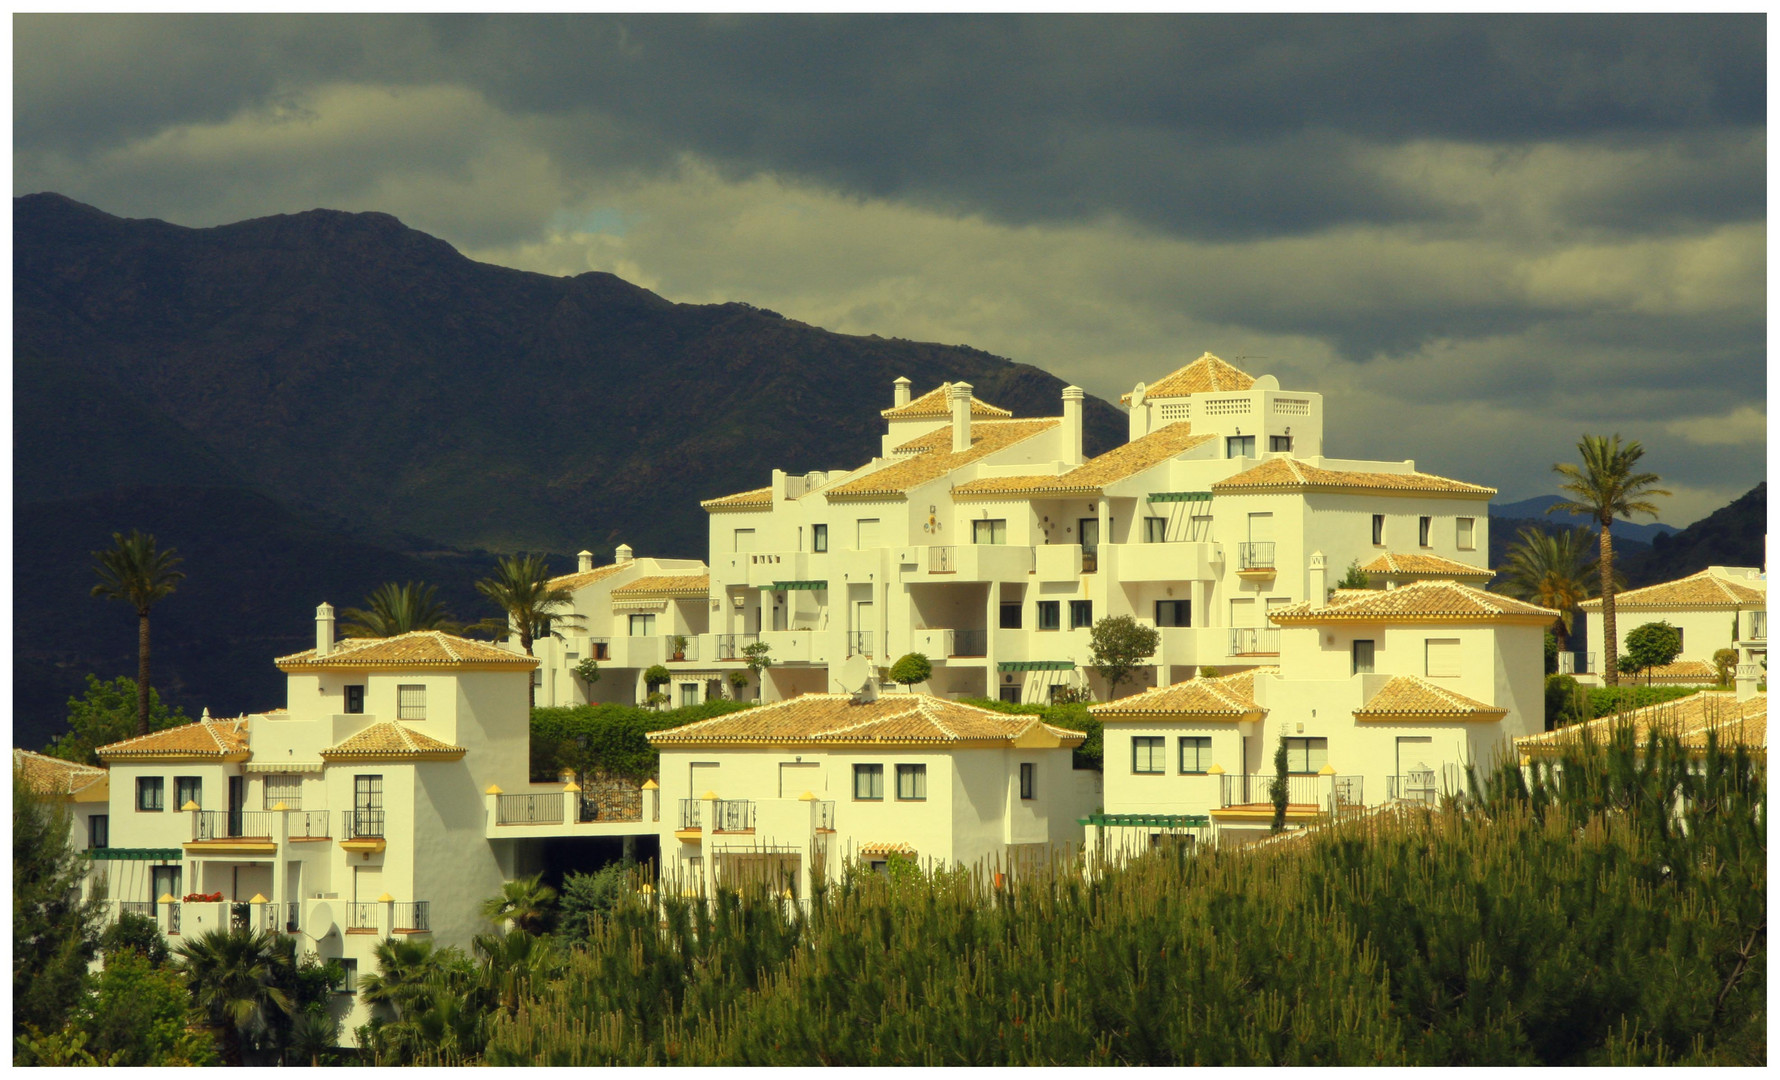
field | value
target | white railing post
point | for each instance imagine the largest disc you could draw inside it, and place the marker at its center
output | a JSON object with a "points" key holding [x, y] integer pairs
{"points": [[571, 803], [709, 798], [1327, 773], [492, 801], [652, 794], [386, 916]]}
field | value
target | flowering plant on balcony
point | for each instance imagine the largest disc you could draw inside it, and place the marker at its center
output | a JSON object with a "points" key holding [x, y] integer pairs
{"points": [[203, 898]]}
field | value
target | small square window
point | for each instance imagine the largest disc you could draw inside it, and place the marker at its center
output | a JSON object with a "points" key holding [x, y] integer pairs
{"points": [[1279, 444], [188, 789], [989, 532], [1028, 780], [284, 789], [868, 782], [411, 702], [1147, 754], [1195, 753], [355, 700], [642, 626], [1174, 613], [911, 781], [1081, 614], [1155, 530], [688, 694], [1306, 757], [1050, 615], [151, 793], [1010, 694], [1010, 616], [1236, 446]]}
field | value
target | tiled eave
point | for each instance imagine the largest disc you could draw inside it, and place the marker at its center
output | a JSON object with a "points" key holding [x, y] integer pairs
{"points": [[1157, 716], [393, 755], [127, 757], [733, 743], [346, 663]]}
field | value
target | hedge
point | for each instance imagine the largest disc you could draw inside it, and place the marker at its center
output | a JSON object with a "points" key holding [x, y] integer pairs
{"points": [[608, 740]]}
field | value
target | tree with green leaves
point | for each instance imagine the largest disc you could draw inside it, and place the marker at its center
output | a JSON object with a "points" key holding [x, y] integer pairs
{"points": [[521, 588], [1552, 570], [141, 1013], [912, 670], [54, 932], [758, 657], [137, 573], [587, 897], [393, 609], [738, 681], [1355, 578], [527, 903], [1117, 646], [1724, 661], [1605, 487], [1651, 646], [589, 670], [1282, 785], [234, 978], [105, 714]]}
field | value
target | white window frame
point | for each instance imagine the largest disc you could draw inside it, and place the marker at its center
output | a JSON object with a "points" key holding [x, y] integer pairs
{"points": [[647, 623], [1306, 756], [1371, 656]]}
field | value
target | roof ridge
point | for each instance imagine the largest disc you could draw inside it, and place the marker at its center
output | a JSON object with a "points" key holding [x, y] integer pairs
{"points": [[926, 709]]}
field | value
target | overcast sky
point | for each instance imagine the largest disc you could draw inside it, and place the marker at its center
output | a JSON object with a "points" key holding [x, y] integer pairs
{"points": [[1478, 238]]}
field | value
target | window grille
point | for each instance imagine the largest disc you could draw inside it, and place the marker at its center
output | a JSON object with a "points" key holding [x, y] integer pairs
{"points": [[411, 702]]}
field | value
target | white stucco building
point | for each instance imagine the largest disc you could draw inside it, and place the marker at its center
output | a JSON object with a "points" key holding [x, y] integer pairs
{"points": [[1721, 607]]}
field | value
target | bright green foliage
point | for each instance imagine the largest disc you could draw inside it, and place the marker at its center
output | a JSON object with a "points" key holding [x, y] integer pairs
{"points": [[105, 714], [1206, 671], [589, 670], [1565, 702], [588, 897], [1117, 646], [1552, 570], [1355, 578], [1725, 661], [738, 682], [1073, 717], [657, 675], [1281, 786], [140, 1013], [608, 740], [1652, 645], [758, 657], [1607, 700], [239, 982], [520, 587], [527, 903], [134, 933], [911, 669], [393, 609], [54, 933]]}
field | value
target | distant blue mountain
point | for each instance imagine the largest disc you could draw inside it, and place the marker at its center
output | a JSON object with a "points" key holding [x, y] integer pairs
{"points": [[1535, 508]]}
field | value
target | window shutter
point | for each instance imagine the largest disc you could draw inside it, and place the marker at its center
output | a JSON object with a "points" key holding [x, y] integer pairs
{"points": [[1443, 658]]}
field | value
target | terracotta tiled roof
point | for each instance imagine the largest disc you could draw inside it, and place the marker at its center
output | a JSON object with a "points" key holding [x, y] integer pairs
{"points": [[52, 776], [391, 740], [1408, 696], [903, 476], [668, 585], [1681, 671], [1702, 590], [758, 499], [1291, 474], [1442, 600], [1208, 374], [1391, 564], [885, 847], [206, 739], [838, 720], [1117, 464], [935, 405], [1229, 697], [1689, 719], [582, 578], [417, 649]]}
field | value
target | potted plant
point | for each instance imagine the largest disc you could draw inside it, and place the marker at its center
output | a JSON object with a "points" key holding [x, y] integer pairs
{"points": [[738, 682], [679, 647]]}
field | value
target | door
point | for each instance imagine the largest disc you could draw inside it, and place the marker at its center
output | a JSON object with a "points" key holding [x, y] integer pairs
{"points": [[861, 645], [367, 805], [164, 880], [237, 801], [797, 777]]}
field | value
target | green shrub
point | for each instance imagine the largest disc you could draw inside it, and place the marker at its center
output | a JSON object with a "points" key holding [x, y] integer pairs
{"points": [[1607, 700], [1565, 702], [608, 740], [1074, 717], [912, 669]]}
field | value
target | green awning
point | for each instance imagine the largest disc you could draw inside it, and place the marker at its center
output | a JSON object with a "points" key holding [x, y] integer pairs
{"points": [[1148, 821], [1180, 496], [135, 854], [796, 586], [1036, 665]]}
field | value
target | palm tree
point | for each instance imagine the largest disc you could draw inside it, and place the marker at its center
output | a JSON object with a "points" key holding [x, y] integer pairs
{"points": [[1602, 488], [405, 973], [527, 903], [233, 975], [134, 572], [514, 962], [1551, 570], [312, 1033], [521, 588], [393, 609]]}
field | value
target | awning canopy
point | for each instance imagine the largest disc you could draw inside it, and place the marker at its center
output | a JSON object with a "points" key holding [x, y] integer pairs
{"points": [[1148, 821], [796, 586], [1036, 665], [135, 854], [1180, 496]]}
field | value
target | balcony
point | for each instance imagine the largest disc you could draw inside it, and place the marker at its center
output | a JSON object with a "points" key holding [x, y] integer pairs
{"points": [[794, 646], [1090, 558], [859, 643], [413, 917], [825, 816], [1255, 559], [1057, 562], [361, 830], [969, 643], [306, 824], [363, 918], [677, 647], [730, 646], [544, 809], [211, 825], [1249, 794], [1252, 641], [599, 648], [942, 560], [1415, 787], [639, 652], [732, 816]]}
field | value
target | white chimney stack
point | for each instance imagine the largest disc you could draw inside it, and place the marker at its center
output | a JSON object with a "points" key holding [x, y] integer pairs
{"points": [[324, 630], [1319, 579], [902, 391], [1748, 675], [960, 395], [585, 561], [623, 553], [1072, 425]]}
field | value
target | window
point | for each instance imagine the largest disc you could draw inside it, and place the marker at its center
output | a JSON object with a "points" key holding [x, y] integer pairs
{"points": [[1279, 444], [1010, 616], [284, 789], [1147, 754], [642, 626], [1467, 534], [1239, 446], [1424, 531], [1680, 638], [868, 781], [367, 805], [537, 676], [911, 781], [1050, 615], [867, 534], [348, 983], [1378, 530], [1363, 651], [1443, 658], [150, 793], [1306, 756], [188, 789], [688, 694], [1081, 614], [1195, 753], [411, 702], [1010, 694], [99, 831], [1028, 780], [989, 532], [1155, 530], [164, 881], [1174, 613], [355, 700], [602, 650], [818, 538], [744, 540]]}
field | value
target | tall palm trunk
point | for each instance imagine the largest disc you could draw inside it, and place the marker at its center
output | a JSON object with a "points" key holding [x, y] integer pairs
{"points": [[1609, 625], [142, 671], [1562, 633], [531, 686]]}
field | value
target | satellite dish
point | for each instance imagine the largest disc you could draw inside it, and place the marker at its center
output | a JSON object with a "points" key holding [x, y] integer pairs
{"points": [[854, 673], [322, 916]]}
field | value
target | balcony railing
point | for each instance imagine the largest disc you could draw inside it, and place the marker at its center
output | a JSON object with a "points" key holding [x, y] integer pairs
{"points": [[730, 646], [306, 824], [414, 917], [859, 643], [686, 649], [293, 913], [1255, 555], [231, 824], [1415, 787], [362, 916], [942, 560], [1256, 789], [173, 918], [1254, 641], [145, 908], [267, 918], [1758, 626], [691, 813], [825, 815], [361, 824], [733, 815], [970, 643], [528, 809], [1090, 558]]}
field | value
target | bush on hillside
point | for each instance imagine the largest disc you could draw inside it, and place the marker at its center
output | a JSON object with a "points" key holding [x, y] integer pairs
{"points": [[608, 740], [1607, 700], [1074, 717]]}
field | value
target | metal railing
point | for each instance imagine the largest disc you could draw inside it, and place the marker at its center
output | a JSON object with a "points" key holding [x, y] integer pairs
{"points": [[730, 646], [1255, 555], [942, 560], [859, 643], [825, 815], [1254, 641], [599, 648], [1758, 626], [687, 649], [1256, 789], [1090, 558], [172, 918], [528, 809], [145, 908], [970, 643], [1415, 787], [1349, 790], [733, 815], [231, 824], [361, 824], [691, 813], [362, 916], [306, 824], [265, 918], [586, 810], [293, 913], [414, 917]]}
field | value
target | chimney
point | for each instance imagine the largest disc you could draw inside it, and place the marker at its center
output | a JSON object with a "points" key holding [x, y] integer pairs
{"points": [[1748, 674], [585, 561], [1072, 425], [324, 630], [902, 391], [623, 554], [1319, 579], [960, 395]]}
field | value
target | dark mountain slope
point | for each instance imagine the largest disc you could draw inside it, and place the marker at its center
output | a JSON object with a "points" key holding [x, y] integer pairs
{"points": [[1733, 535]]}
